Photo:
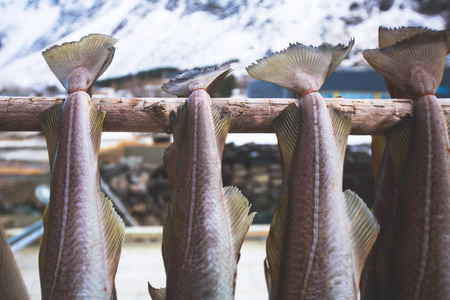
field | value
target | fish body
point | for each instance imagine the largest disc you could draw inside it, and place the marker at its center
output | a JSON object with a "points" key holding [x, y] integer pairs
{"points": [[12, 286], [82, 233], [420, 263], [200, 242], [319, 237]]}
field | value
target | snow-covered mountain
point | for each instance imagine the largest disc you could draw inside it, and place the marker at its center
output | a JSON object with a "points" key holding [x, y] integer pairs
{"points": [[189, 33]]}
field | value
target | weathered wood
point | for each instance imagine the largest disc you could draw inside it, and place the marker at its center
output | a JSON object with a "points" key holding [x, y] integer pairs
{"points": [[370, 116]]}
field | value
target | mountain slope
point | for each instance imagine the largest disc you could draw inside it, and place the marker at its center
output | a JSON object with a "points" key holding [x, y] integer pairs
{"points": [[187, 33]]}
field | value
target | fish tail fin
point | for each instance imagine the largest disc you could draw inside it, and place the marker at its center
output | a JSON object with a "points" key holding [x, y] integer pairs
{"points": [[274, 247], [342, 124], [208, 78], [391, 36], [77, 65], [300, 68], [398, 141], [11, 281], [447, 123], [415, 65], [114, 235], [156, 294], [239, 219], [378, 148], [363, 227]]}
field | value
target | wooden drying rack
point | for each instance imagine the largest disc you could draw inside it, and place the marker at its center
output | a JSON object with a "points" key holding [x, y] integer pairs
{"points": [[250, 115]]}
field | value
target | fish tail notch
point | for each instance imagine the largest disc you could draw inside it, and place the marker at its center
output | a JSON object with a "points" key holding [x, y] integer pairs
{"points": [[156, 294], [300, 68], [208, 78], [415, 64], [363, 229], [113, 233], [239, 219], [77, 65], [274, 247]]}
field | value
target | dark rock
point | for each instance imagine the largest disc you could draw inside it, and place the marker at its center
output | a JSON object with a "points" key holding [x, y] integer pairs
{"points": [[386, 4]]}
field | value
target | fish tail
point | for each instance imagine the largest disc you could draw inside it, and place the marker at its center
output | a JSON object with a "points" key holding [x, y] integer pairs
{"points": [[300, 68], [427, 49], [77, 65], [156, 294], [208, 78]]}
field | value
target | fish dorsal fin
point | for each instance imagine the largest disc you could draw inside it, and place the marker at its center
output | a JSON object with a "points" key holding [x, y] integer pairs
{"points": [[274, 246], [378, 148], [78, 64], [363, 229], [173, 152], [342, 124], [415, 65], [208, 78], [156, 294], [391, 36], [398, 140], [237, 207], [50, 120], [300, 68], [221, 127], [96, 123], [286, 127], [113, 233], [11, 281]]}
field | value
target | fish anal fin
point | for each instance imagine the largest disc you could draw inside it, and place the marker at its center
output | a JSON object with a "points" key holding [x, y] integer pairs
{"points": [[96, 124], [286, 127], [274, 246], [300, 68], [156, 294], [363, 229], [78, 64], [342, 124], [113, 234], [415, 65], [208, 78], [221, 128], [398, 140], [50, 120], [172, 154], [239, 220]]}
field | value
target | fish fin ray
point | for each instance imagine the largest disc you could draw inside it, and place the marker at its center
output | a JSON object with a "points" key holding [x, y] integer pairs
{"points": [[172, 154], [447, 123], [50, 122], [156, 294], [342, 124], [363, 228], [300, 68], [43, 246], [391, 36], [113, 234], [238, 208], [419, 58], [208, 78], [96, 126], [274, 246], [378, 148], [89, 57], [221, 127], [398, 140], [286, 127]]}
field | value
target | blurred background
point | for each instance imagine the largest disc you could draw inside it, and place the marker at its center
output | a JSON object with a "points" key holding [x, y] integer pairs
{"points": [[159, 39]]}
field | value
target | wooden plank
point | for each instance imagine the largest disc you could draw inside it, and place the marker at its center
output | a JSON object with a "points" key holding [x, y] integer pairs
{"points": [[249, 115]]}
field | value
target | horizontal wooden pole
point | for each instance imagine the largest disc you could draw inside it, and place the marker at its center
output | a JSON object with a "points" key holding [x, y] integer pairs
{"points": [[370, 116]]}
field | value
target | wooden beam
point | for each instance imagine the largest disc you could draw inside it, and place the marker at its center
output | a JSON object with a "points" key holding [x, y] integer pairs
{"points": [[370, 116]]}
